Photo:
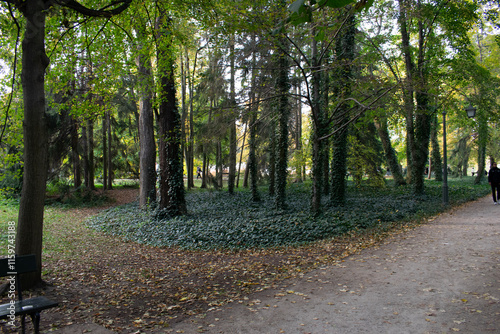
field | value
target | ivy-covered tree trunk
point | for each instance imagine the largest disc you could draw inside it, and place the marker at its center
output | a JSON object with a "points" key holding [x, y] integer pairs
{"points": [[418, 137], [318, 126], [283, 111], [147, 144], [172, 197], [390, 153], [253, 109], [110, 151], [298, 138], [252, 159], [104, 153], [272, 159], [339, 168], [344, 49]]}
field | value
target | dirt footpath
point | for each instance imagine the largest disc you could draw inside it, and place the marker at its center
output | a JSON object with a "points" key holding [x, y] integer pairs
{"points": [[443, 277]]}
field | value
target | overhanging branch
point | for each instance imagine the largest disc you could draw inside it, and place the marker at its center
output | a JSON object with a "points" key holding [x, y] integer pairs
{"points": [[121, 5]]}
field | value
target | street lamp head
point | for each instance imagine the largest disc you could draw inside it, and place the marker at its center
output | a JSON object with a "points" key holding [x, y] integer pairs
{"points": [[471, 111]]}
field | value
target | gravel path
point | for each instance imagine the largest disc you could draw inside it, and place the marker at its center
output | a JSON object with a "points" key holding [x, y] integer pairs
{"points": [[443, 277]]}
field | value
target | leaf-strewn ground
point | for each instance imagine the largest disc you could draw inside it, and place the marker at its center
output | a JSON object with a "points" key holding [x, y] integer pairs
{"points": [[130, 287]]}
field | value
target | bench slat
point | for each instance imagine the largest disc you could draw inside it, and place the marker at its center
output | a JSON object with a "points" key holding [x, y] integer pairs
{"points": [[23, 264], [28, 306]]}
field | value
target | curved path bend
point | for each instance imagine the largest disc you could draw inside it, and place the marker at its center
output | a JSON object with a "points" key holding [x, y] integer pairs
{"points": [[442, 277]]}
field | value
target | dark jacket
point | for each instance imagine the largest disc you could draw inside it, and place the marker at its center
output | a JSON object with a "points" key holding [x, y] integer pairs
{"points": [[494, 175]]}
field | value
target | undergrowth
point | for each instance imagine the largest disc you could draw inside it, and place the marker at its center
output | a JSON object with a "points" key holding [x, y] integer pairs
{"points": [[217, 220]]}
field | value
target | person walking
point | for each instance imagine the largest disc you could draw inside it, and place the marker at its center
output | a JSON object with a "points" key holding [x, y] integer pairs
{"points": [[494, 181]]}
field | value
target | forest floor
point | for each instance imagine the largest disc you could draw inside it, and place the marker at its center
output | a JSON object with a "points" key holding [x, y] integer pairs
{"points": [[441, 276]]}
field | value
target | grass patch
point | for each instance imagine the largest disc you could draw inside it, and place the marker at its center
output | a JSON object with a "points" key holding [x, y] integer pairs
{"points": [[217, 220]]}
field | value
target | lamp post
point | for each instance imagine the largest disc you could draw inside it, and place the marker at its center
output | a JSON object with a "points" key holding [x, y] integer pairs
{"points": [[445, 163]]}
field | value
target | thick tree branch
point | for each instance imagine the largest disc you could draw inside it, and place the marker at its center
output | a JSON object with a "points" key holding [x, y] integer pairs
{"points": [[104, 12]]}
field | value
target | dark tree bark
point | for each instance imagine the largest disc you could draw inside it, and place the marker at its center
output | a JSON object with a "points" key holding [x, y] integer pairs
{"points": [[232, 125], [172, 197], [90, 158], [481, 152], [283, 106], [318, 127], [147, 144], [272, 160], [85, 149], [390, 153], [34, 62], [437, 166], [418, 120], [75, 154], [35, 129], [344, 50], [110, 151], [104, 152]]}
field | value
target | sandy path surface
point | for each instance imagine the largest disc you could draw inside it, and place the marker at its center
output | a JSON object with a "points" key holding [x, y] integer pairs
{"points": [[442, 277]]}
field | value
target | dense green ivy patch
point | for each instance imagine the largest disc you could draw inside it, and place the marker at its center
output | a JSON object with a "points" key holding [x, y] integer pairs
{"points": [[221, 220]]}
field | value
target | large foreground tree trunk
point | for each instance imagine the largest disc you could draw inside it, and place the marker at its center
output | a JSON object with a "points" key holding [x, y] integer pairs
{"points": [[34, 62], [172, 197], [35, 129]]}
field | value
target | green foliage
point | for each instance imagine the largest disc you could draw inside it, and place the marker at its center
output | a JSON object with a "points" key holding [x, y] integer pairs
{"points": [[219, 220]]}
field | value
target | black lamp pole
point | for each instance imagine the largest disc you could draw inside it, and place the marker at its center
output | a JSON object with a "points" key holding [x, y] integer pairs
{"points": [[445, 163]]}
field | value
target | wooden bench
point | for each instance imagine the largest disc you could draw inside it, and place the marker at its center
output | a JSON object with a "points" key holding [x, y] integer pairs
{"points": [[13, 268]]}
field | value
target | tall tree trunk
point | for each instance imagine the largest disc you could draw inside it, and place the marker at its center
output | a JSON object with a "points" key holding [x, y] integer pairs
{"points": [[232, 125], [190, 158], [423, 116], [184, 142], [283, 92], [110, 150], [318, 123], [437, 165], [251, 170], [418, 133], [345, 54], [298, 137], [75, 154], [390, 154], [241, 155], [172, 197], [407, 88], [219, 171], [272, 159], [90, 146], [85, 146], [481, 143], [147, 144], [35, 130], [104, 153]]}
